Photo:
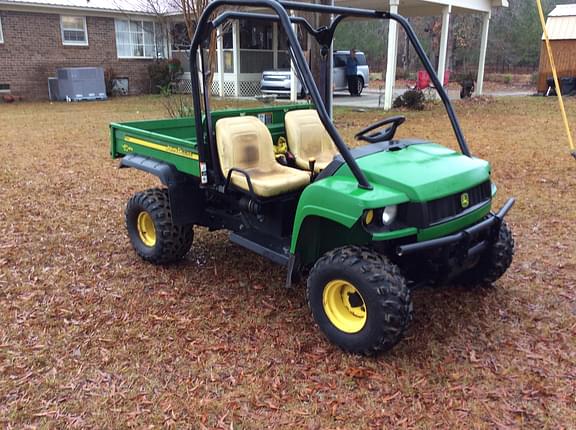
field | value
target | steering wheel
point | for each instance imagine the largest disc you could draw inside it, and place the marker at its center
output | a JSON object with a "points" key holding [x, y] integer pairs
{"points": [[384, 135]]}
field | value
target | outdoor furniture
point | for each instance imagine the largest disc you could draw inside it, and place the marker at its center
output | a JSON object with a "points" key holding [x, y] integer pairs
{"points": [[424, 82]]}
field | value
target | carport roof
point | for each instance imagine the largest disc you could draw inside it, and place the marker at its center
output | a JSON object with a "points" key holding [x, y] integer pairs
{"points": [[406, 7], [126, 6], [426, 7]]}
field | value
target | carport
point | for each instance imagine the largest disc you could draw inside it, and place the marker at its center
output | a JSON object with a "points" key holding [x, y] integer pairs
{"points": [[412, 8]]}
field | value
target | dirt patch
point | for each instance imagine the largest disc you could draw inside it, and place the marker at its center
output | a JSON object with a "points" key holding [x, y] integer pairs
{"points": [[92, 337]]}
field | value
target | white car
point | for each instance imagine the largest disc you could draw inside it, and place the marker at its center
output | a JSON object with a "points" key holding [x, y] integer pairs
{"points": [[278, 81]]}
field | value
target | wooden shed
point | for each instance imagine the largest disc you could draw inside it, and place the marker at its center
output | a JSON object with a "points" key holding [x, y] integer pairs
{"points": [[561, 25]]}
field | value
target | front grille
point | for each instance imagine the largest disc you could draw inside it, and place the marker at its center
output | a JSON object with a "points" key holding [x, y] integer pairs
{"points": [[423, 215], [451, 206]]}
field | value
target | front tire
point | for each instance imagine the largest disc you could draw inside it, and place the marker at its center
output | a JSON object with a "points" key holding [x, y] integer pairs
{"points": [[359, 300], [494, 262], [153, 234]]}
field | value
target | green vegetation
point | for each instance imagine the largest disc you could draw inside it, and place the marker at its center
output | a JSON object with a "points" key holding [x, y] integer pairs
{"points": [[514, 41]]}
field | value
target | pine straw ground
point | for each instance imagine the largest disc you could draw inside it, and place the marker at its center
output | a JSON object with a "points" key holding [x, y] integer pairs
{"points": [[91, 337]]}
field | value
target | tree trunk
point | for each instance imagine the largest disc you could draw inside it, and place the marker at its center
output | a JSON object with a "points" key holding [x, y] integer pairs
{"points": [[315, 56]]}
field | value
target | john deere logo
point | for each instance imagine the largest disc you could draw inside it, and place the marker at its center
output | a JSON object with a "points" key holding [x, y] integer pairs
{"points": [[465, 200]]}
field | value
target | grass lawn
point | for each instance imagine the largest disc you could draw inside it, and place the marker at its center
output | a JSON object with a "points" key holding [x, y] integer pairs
{"points": [[92, 337]]}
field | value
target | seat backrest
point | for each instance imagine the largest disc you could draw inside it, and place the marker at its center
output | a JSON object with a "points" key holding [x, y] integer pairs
{"points": [[244, 142], [307, 137]]}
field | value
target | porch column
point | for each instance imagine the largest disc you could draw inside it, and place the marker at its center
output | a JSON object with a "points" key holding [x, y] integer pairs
{"points": [[275, 44], [220, 54], [444, 43], [293, 80], [199, 54], [483, 47], [331, 75], [236, 54], [392, 56]]}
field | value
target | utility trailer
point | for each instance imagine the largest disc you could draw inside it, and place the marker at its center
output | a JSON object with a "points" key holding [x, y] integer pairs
{"points": [[364, 225]]}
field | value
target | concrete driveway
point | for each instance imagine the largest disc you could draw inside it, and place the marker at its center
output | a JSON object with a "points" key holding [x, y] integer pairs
{"points": [[370, 97]]}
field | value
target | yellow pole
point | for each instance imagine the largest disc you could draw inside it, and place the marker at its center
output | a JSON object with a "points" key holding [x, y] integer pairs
{"points": [[555, 74]]}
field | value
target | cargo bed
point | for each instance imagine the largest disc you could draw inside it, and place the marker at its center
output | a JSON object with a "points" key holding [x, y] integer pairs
{"points": [[174, 140]]}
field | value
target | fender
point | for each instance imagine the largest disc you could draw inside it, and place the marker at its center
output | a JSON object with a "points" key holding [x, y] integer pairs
{"points": [[167, 173], [186, 198]]}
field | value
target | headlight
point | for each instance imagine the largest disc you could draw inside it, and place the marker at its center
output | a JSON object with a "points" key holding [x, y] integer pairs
{"points": [[380, 219], [389, 215]]}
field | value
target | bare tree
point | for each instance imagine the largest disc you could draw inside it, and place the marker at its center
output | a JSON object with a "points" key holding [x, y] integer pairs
{"points": [[321, 19], [192, 11], [163, 11]]}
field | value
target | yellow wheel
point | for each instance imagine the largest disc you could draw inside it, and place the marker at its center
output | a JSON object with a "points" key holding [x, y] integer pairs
{"points": [[146, 229], [151, 230], [359, 299], [344, 306]]}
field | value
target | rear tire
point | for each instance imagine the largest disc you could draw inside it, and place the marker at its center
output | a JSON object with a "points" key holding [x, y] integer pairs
{"points": [[360, 86], [359, 299], [153, 235], [493, 263]]}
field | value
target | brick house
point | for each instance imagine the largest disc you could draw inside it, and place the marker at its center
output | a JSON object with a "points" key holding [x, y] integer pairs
{"points": [[37, 37]]}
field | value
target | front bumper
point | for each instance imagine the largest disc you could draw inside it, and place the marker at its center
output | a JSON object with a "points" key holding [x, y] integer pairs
{"points": [[275, 91], [464, 239]]}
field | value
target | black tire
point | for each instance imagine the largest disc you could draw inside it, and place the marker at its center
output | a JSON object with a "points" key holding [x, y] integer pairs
{"points": [[493, 263], [360, 86], [382, 310], [165, 242]]}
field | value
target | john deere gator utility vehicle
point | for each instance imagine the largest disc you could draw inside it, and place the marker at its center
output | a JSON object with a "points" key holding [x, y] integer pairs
{"points": [[365, 225]]}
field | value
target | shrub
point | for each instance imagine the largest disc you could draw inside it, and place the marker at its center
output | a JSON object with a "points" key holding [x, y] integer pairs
{"points": [[176, 105], [411, 99], [508, 79], [163, 73]]}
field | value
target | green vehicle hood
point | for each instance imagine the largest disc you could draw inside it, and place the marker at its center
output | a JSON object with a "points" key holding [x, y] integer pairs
{"points": [[423, 171], [418, 173]]}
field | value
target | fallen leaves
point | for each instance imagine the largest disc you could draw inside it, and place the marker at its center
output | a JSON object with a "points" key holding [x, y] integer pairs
{"points": [[92, 337]]}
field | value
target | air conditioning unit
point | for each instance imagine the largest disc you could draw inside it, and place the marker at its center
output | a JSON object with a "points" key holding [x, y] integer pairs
{"points": [[77, 83]]}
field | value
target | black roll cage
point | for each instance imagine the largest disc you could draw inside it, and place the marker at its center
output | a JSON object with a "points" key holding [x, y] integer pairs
{"points": [[324, 36]]}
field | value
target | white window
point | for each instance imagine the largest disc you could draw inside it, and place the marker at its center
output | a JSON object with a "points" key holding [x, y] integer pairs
{"points": [[74, 30], [1, 34], [139, 39]]}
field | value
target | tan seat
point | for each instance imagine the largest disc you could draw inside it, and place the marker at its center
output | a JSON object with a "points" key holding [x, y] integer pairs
{"points": [[244, 142], [307, 138]]}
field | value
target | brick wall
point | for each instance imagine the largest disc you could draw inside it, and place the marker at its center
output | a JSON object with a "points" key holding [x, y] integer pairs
{"points": [[33, 50]]}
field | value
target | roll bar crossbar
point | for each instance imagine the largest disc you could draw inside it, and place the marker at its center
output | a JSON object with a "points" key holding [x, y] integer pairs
{"points": [[324, 35]]}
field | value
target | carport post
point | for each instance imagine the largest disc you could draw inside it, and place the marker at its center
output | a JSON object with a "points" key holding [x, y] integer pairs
{"points": [[220, 54], [236, 51], [444, 43], [483, 48], [392, 57], [331, 74], [293, 80], [275, 44]]}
